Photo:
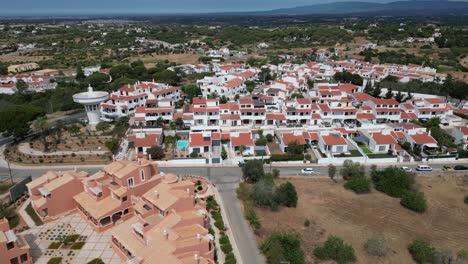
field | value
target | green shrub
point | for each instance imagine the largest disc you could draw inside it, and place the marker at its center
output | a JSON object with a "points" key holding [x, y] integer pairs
{"points": [[286, 157], [414, 201], [33, 215], [466, 199], [224, 239], [251, 216], [55, 260], [77, 245], [54, 245], [226, 248], [96, 261], [359, 185], [335, 249], [71, 238], [377, 246], [307, 223], [421, 251], [230, 258], [283, 247], [286, 195], [243, 191], [393, 181]]}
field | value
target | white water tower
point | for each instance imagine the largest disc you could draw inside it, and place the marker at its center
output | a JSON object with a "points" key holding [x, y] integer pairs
{"points": [[92, 102]]}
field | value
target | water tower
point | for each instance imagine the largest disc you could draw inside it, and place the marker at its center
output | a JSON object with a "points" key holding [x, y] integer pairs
{"points": [[91, 101]]}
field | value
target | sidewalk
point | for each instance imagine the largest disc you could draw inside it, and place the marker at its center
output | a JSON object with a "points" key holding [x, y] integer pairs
{"points": [[26, 149]]}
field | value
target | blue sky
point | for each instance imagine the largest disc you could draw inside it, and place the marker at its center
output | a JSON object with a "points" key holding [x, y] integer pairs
{"points": [[57, 7]]}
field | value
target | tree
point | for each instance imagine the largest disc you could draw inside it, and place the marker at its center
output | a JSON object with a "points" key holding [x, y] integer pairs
{"points": [[360, 184], [79, 73], [120, 71], [179, 122], [269, 137], [250, 85], [310, 83], [286, 195], [294, 148], [399, 97], [389, 94], [262, 141], [224, 154], [368, 89], [167, 76], [414, 201], [377, 246], [73, 129], [393, 181], [377, 91], [112, 145], [332, 172], [97, 79], [21, 86], [421, 251], [335, 249], [16, 119], [263, 194], [155, 152], [102, 126], [40, 125], [223, 99], [282, 248], [253, 170], [191, 91], [351, 170], [159, 122], [6, 211], [276, 174]]}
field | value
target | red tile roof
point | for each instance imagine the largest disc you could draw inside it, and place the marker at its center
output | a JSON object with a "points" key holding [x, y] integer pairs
{"points": [[334, 139], [149, 140], [244, 139], [382, 139], [423, 138], [197, 140], [290, 138]]}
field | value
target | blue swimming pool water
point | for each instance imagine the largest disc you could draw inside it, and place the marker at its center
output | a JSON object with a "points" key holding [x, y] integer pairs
{"points": [[181, 144]]}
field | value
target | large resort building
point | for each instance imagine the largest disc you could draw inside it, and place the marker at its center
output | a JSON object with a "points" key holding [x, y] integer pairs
{"points": [[150, 215]]}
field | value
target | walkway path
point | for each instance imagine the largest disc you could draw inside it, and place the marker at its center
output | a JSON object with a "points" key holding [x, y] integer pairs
{"points": [[26, 149]]}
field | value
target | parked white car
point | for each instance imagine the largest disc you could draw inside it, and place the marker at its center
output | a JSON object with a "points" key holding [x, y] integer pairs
{"points": [[408, 169], [423, 168], [307, 171]]}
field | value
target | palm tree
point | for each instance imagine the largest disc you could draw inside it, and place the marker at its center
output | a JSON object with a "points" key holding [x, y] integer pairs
{"points": [[40, 125]]}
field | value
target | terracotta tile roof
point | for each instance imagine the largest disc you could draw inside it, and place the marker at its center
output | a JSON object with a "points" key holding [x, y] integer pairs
{"points": [[334, 139], [290, 137], [244, 139], [365, 116], [382, 139], [197, 140], [423, 138], [246, 100], [463, 129], [149, 140], [233, 83]]}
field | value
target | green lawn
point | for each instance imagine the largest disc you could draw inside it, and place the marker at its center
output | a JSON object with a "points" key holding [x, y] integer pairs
{"points": [[366, 150], [33, 215]]}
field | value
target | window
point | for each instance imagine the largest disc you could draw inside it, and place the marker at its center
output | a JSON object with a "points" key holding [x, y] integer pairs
{"points": [[24, 258], [125, 211], [10, 245], [381, 148], [124, 199], [14, 261], [142, 175], [130, 182]]}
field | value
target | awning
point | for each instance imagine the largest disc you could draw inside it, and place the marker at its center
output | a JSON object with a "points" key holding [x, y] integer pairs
{"points": [[11, 236], [44, 191]]}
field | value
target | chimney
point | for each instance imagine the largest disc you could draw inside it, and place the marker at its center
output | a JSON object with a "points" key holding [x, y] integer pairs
{"points": [[188, 190], [198, 236], [197, 258], [157, 194], [166, 234]]}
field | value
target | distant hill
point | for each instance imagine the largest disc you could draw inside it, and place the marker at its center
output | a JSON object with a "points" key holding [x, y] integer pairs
{"points": [[420, 7]]}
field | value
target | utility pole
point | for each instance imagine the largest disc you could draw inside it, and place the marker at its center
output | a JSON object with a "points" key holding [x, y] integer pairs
{"points": [[9, 169]]}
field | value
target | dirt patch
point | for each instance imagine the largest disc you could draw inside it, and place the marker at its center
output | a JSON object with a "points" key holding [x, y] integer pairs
{"points": [[274, 148], [333, 210]]}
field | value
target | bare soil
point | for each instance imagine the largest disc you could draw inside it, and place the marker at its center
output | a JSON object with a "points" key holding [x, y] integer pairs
{"points": [[151, 59], [332, 209]]}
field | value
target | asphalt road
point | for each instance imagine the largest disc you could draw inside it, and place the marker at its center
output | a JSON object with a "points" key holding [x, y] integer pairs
{"points": [[226, 180]]}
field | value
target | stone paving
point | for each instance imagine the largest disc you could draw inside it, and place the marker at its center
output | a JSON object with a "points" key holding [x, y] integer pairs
{"points": [[97, 245]]}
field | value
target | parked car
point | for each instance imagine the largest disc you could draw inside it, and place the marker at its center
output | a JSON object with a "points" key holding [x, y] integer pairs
{"points": [[408, 169], [460, 167], [423, 168], [447, 168], [307, 171]]}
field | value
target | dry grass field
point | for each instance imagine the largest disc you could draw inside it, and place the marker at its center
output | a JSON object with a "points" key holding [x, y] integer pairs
{"points": [[333, 210], [151, 59]]}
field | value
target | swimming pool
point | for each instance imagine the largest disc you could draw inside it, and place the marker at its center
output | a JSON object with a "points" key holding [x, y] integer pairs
{"points": [[181, 144]]}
